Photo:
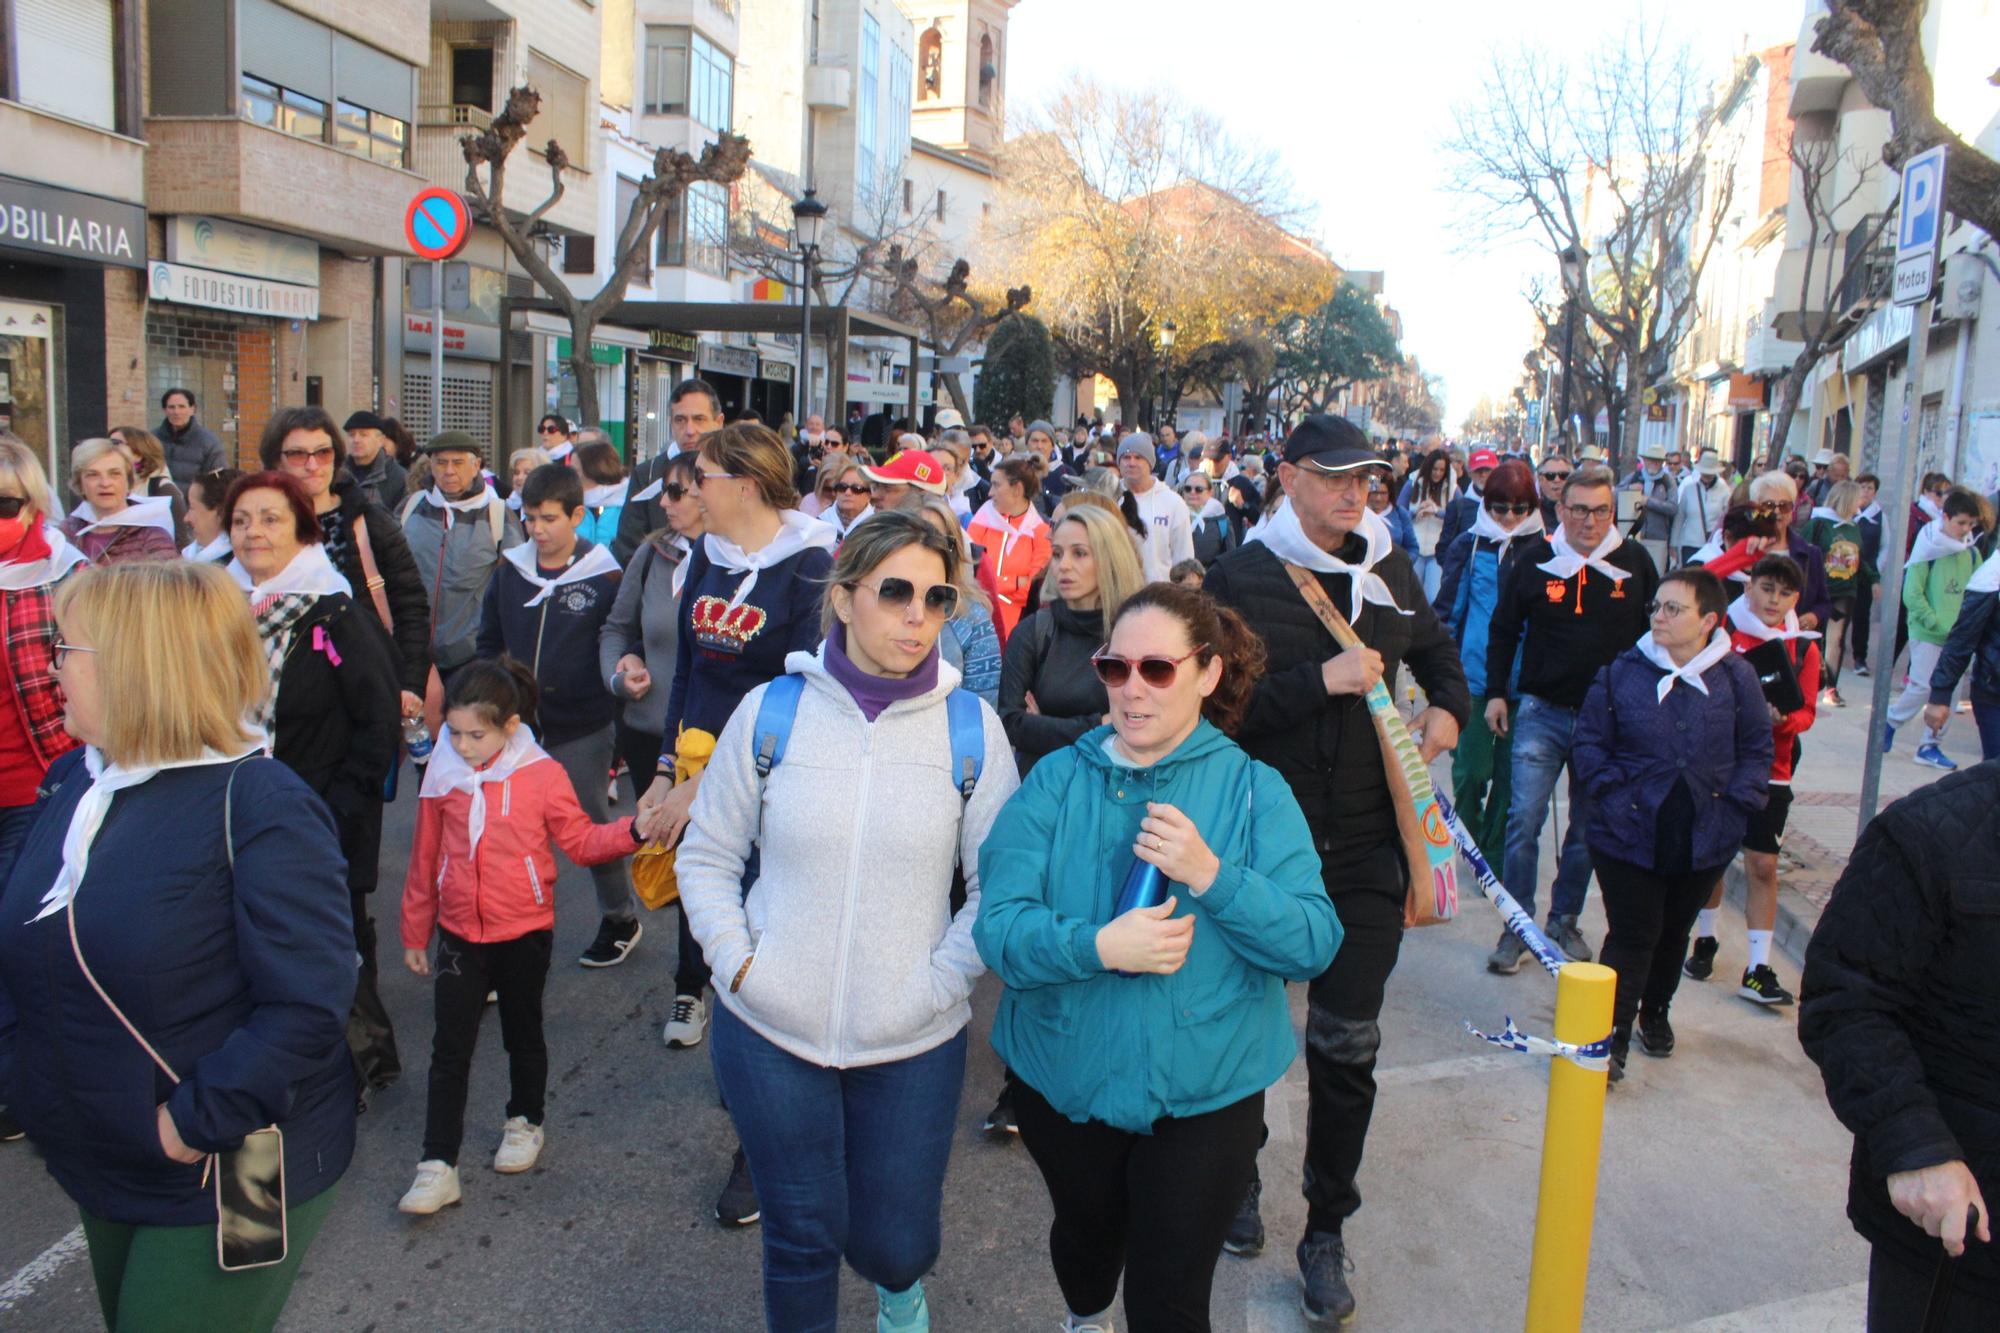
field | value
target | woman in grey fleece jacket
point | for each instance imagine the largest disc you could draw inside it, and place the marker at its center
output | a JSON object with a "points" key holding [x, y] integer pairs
{"points": [[843, 978]]}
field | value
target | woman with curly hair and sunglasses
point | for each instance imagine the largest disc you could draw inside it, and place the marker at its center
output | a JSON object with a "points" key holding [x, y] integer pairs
{"points": [[1141, 1038]]}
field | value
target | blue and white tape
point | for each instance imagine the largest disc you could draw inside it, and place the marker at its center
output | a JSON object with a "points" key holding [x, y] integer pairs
{"points": [[1517, 921], [1594, 1055]]}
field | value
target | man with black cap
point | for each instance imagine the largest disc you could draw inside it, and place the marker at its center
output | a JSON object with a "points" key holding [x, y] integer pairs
{"points": [[372, 462], [457, 530], [1309, 719], [1169, 528]]}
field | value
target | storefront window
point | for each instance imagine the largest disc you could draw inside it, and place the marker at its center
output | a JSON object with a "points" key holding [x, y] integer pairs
{"points": [[29, 388]]}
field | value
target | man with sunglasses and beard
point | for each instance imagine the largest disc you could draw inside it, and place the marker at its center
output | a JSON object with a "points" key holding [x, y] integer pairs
{"points": [[1309, 720]]}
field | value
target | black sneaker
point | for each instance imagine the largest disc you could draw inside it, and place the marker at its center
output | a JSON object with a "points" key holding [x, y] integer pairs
{"points": [[1700, 963], [10, 1128], [1656, 1035], [1000, 1120], [1246, 1233], [1324, 1296], [1621, 1046], [615, 939], [1760, 986], [1562, 933], [737, 1206]]}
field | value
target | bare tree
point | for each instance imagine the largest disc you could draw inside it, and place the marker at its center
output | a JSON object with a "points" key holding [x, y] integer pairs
{"points": [[1610, 160], [952, 316], [1882, 42], [720, 163]]}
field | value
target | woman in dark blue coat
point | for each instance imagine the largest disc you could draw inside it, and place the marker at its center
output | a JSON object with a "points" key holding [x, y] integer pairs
{"points": [[1674, 748], [200, 886]]}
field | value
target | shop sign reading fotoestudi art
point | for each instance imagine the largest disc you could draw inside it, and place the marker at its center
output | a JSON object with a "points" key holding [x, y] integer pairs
{"points": [[228, 291]]}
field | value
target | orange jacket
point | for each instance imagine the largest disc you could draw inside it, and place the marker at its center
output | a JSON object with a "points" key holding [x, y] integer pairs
{"points": [[1015, 557], [508, 889]]}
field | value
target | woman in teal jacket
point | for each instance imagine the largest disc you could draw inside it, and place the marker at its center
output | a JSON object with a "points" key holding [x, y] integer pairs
{"points": [[1141, 1046]]}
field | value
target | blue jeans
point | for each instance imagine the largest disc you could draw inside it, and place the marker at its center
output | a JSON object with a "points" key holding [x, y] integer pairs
{"points": [[15, 821], [1541, 752], [847, 1162]]}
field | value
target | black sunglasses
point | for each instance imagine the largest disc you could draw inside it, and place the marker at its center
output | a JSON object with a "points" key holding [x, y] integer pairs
{"points": [[11, 506], [940, 599], [849, 488], [675, 491], [1519, 510], [1158, 672], [1555, 476]]}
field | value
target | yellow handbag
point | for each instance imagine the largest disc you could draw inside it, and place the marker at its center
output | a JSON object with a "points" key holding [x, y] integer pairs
{"points": [[653, 877]]}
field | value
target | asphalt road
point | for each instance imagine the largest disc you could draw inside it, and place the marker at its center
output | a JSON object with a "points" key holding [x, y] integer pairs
{"points": [[1719, 1206]]}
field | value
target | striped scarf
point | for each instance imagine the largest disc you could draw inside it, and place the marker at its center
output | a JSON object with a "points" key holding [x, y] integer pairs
{"points": [[278, 615]]}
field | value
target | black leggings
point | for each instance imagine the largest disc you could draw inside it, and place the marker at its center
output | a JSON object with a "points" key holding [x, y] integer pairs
{"points": [[641, 752], [1651, 916], [1899, 1297], [1154, 1206], [518, 969]]}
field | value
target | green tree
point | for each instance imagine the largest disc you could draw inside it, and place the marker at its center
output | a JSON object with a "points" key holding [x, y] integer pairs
{"points": [[1019, 374], [1338, 345]]}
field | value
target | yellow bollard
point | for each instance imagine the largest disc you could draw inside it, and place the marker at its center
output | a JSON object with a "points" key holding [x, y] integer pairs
{"points": [[1571, 1141]]}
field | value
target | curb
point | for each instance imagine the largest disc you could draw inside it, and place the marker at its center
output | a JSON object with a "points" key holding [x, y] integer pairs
{"points": [[1796, 917]]}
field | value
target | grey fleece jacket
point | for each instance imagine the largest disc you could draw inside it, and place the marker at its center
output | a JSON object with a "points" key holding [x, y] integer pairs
{"points": [[456, 564], [858, 959]]}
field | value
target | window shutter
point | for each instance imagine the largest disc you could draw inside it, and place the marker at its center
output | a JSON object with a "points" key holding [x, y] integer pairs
{"points": [[579, 254], [65, 58]]}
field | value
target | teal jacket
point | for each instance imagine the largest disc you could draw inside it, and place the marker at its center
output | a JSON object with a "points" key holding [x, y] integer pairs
{"points": [[1131, 1050]]}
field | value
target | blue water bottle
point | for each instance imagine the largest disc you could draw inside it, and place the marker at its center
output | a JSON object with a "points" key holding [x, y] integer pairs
{"points": [[1145, 886]]}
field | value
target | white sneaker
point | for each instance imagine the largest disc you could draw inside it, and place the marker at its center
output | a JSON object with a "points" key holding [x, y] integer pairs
{"points": [[520, 1145], [436, 1187], [687, 1021]]}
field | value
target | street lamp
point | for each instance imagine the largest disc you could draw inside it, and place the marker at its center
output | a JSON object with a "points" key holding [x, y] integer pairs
{"points": [[1573, 259], [808, 217], [1167, 333]]}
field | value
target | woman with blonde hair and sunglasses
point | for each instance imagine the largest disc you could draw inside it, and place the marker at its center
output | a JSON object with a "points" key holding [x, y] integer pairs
{"points": [[843, 977], [1142, 1025]]}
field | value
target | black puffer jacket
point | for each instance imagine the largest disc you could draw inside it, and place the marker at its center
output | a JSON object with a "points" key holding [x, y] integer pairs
{"points": [[1048, 655], [409, 606], [1325, 744], [1975, 639], [1900, 1006], [337, 719]]}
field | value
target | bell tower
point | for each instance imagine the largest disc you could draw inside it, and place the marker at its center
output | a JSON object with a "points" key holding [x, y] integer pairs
{"points": [[960, 101]]}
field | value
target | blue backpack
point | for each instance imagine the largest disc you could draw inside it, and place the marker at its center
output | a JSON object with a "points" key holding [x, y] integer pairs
{"points": [[780, 707]]}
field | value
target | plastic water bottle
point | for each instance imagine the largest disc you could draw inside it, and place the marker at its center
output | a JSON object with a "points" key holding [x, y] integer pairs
{"points": [[416, 739], [1145, 886]]}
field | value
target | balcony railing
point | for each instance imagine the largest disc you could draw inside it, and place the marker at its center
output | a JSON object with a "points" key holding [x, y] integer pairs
{"points": [[457, 115], [1868, 269]]}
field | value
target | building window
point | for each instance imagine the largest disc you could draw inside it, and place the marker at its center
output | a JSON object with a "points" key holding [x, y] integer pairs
{"points": [[896, 141], [472, 76], [688, 75], [909, 195], [64, 58], [940, 206], [989, 70], [930, 64], [371, 134], [708, 228], [282, 109], [563, 105], [866, 109]]}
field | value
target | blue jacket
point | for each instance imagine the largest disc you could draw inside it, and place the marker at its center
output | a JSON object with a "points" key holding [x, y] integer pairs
{"points": [[557, 640], [1468, 595], [243, 990], [1630, 747], [600, 525], [1975, 639], [1131, 1050], [1404, 528]]}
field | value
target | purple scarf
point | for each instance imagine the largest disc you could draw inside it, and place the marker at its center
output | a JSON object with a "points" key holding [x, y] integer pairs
{"points": [[875, 693]]}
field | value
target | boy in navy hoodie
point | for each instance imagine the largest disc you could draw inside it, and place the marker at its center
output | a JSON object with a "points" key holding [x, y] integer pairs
{"points": [[544, 606]]}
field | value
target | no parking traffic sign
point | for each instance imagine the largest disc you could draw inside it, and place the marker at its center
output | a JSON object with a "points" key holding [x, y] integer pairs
{"points": [[437, 224]]}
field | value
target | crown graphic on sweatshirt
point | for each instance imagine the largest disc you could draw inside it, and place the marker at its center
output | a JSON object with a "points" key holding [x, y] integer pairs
{"points": [[719, 625]]}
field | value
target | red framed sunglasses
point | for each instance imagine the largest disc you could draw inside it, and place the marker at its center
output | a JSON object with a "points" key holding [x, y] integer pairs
{"points": [[1158, 672]]}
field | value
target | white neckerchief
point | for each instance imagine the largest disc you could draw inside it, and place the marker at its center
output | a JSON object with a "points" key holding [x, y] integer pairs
{"points": [[1566, 562], [651, 492], [1745, 621], [1717, 649], [155, 511], [797, 533], [1934, 543], [107, 780], [597, 560], [60, 560], [1211, 508], [1025, 524], [452, 508], [196, 551], [448, 772], [1288, 541], [1821, 511], [1487, 526], [603, 497], [310, 573], [1987, 577], [561, 451], [832, 516], [1930, 508], [514, 501], [686, 548], [1872, 514]]}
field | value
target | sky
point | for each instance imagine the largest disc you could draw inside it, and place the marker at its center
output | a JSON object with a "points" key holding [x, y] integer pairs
{"points": [[1357, 100]]}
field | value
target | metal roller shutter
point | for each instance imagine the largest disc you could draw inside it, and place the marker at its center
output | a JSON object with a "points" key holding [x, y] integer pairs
{"points": [[66, 58]]}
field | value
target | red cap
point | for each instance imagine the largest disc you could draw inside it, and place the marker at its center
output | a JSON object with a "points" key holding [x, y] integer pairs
{"points": [[1482, 458], [911, 467]]}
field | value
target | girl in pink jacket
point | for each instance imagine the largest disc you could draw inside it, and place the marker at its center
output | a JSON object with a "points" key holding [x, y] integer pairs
{"points": [[483, 875]]}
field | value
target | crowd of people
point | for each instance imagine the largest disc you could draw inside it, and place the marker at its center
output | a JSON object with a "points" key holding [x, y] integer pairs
{"points": [[891, 717]]}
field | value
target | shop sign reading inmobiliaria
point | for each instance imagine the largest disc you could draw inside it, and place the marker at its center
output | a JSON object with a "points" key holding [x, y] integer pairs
{"points": [[53, 221], [225, 265]]}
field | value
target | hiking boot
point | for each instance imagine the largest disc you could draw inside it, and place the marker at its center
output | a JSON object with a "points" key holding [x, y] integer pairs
{"points": [[1324, 1296], [1656, 1035], [520, 1146], [686, 1022], [435, 1187], [1000, 1120], [1761, 986], [1930, 756], [615, 939], [1507, 956], [1562, 933], [737, 1206], [1246, 1232], [902, 1311], [1700, 963]]}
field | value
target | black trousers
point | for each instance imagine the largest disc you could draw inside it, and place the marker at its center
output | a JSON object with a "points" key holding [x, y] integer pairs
{"points": [[1152, 1206], [463, 974], [641, 752], [1864, 614], [1651, 916], [1899, 1296]]}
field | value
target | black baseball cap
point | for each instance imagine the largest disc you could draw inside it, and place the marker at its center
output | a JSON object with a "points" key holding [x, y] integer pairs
{"points": [[1326, 443]]}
